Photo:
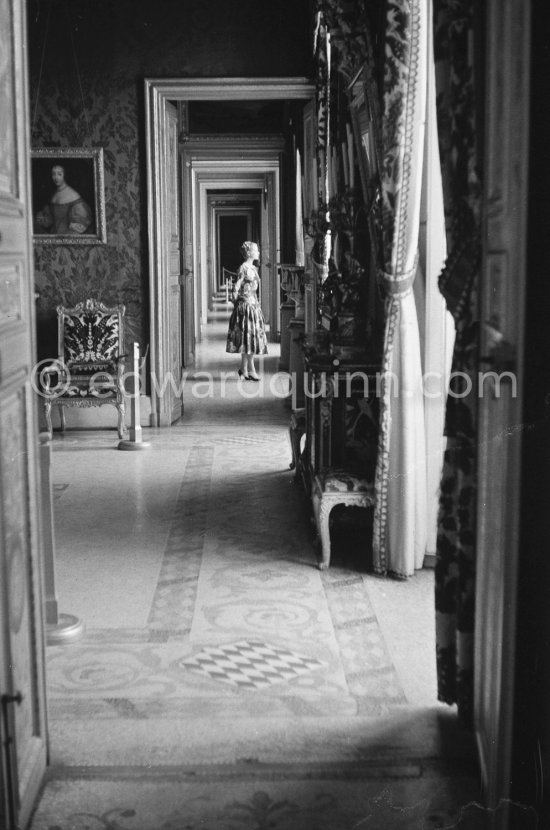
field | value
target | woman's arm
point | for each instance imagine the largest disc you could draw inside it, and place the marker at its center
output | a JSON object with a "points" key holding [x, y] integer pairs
{"points": [[237, 285]]}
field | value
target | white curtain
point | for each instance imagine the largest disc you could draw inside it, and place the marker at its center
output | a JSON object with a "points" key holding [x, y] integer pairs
{"points": [[399, 539], [438, 327]]}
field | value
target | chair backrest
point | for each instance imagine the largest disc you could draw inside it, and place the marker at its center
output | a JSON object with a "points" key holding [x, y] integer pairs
{"points": [[91, 336]]}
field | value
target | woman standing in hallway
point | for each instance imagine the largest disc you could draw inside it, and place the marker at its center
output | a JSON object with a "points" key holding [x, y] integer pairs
{"points": [[246, 335]]}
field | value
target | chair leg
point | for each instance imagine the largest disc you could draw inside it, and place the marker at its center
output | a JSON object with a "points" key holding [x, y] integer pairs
{"points": [[62, 417], [48, 416]]}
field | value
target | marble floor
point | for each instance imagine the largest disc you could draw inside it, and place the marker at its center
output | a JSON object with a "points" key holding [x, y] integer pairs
{"points": [[211, 637]]}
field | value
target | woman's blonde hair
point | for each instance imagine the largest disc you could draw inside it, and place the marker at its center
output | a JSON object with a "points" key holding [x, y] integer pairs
{"points": [[246, 248]]}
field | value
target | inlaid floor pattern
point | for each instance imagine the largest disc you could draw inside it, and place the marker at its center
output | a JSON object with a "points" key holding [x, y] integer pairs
{"points": [[211, 635], [251, 665]]}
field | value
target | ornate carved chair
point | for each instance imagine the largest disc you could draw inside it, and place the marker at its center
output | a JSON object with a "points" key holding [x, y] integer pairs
{"points": [[90, 365]]}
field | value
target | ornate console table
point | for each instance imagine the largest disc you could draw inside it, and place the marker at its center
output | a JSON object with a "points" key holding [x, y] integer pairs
{"points": [[340, 421]]}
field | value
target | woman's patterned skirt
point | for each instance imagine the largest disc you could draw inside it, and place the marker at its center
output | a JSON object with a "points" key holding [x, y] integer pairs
{"points": [[247, 329]]}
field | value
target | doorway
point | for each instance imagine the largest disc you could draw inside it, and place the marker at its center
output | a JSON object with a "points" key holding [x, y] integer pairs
{"points": [[256, 163], [259, 178], [233, 217], [230, 229]]}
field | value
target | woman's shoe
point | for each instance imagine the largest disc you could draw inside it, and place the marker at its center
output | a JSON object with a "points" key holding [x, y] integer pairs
{"points": [[243, 376], [252, 377]]}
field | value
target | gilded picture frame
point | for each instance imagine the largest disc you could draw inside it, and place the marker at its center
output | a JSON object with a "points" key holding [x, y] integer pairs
{"points": [[68, 196]]}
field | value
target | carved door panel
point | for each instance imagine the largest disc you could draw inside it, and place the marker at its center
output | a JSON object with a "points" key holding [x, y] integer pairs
{"points": [[502, 313], [22, 717]]}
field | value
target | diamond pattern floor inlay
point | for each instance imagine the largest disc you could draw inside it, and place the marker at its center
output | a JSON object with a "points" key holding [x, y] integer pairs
{"points": [[251, 665]]}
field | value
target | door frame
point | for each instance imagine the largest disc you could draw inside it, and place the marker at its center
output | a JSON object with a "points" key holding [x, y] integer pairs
{"points": [[159, 91], [23, 711], [503, 289], [215, 215], [240, 174]]}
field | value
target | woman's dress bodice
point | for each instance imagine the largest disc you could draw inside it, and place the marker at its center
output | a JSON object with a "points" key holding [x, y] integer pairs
{"points": [[246, 286]]}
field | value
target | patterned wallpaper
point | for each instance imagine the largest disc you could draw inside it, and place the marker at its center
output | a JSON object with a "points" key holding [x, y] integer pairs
{"points": [[113, 272], [87, 65]]}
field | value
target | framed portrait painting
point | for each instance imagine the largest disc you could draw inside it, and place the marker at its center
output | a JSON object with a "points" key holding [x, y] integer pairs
{"points": [[68, 196]]}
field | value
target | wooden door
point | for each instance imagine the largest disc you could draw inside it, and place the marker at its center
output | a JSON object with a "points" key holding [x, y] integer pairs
{"points": [[502, 313], [174, 273], [270, 255], [189, 336], [22, 718], [211, 259]]}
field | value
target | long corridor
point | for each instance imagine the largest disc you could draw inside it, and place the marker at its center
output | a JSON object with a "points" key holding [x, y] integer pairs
{"points": [[223, 680]]}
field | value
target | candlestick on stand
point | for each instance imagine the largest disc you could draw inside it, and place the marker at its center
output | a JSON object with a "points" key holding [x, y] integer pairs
{"points": [[134, 442]]}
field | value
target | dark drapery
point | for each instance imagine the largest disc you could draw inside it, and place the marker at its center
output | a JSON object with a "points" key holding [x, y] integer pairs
{"points": [[458, 71]]}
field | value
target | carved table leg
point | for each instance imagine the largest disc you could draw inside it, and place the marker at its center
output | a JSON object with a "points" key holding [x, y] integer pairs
{"points": [[295, 438], [48, 415], [296, 431], [121, 409], [324, 533], [321, 511], [292, 465], [62, 416]]}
